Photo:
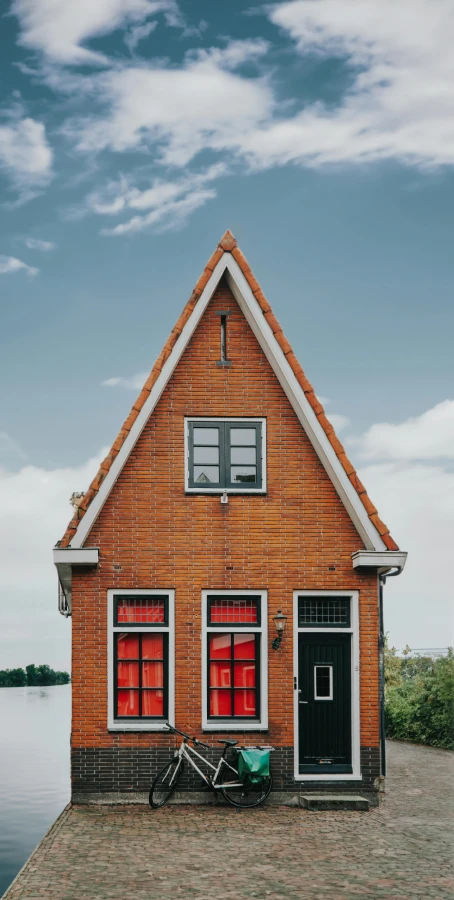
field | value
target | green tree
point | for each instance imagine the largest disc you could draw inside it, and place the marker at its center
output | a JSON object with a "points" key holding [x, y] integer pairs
{"points": [[420, 699]]}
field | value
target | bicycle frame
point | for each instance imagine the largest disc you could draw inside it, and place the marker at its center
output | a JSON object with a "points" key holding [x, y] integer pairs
{"points": [[184, 752]]}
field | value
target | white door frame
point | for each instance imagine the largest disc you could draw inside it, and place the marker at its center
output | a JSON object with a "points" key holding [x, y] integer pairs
{"points": [[355, 705]]}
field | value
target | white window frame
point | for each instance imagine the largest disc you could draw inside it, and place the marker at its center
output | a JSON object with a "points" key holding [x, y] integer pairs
{"points": [[353, 630], [114, 724], [323, 666], [217, 490], [236, 725]]}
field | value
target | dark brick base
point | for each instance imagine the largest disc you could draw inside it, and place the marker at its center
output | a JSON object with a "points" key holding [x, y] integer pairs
{"points": [[127, 769]]}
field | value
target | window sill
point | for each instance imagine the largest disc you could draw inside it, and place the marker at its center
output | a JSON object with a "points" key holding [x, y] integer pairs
{"points": [[137, 726], [218, 490], [237, 727]]}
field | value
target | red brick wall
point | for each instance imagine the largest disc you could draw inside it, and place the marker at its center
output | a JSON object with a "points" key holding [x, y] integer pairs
{"points": [[152, 535]]}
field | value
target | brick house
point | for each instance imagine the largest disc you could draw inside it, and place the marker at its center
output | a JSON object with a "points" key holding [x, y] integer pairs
{"points": [[226, 498]]}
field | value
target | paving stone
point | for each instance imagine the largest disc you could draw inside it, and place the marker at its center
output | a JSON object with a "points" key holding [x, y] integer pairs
{"points": [[401, 849]]}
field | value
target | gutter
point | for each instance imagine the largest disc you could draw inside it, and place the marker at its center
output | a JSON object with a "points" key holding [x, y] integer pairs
{"points": [[383, 574]]}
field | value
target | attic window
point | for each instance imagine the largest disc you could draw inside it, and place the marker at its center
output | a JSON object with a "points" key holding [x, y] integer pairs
{"points": [[225, 454]]}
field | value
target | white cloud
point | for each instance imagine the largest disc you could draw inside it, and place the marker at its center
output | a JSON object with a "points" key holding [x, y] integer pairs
{"points": [[25, 154], [134, 382], [170, 202], [9, 264], [37, 244], [58, 28], [428, 436], [34, 512], [416, 501], [178, 110], [400, 105], [138, 33]]}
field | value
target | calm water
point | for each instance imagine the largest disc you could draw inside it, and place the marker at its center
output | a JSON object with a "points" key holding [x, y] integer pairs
{"points": [[34, 769]]}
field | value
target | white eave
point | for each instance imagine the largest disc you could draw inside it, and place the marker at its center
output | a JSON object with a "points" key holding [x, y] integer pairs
{"points": [[382, 561], [65, 558], [228, 266]]}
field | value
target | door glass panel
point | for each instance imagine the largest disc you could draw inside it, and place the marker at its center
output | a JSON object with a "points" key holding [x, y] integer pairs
{"points": [[153, 674], [128, 674], [242, 436], [152, 703], [128, 703], [244, 674], [206, 474], [243, 455], [243, 474], [220, 646], [244, 703], [244, 646], [220, 703], [220, 674], [206, 435], [206, 455], [128, 646], [152, 646], [323, 682]]}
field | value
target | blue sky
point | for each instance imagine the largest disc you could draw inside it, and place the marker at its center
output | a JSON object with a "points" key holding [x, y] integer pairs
{"points": [[132, 134]]}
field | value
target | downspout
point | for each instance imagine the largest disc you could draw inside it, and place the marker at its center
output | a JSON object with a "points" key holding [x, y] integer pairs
{"points": [[381, 649]]}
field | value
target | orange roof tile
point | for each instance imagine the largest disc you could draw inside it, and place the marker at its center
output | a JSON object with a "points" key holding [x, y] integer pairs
{"points": [[229, 244]]}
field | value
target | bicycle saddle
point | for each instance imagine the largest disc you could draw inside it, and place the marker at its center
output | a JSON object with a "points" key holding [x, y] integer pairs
{"points": [[228, 743]]}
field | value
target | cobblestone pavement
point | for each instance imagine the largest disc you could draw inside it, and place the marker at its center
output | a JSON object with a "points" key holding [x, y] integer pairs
{"points": [[402, 849]]}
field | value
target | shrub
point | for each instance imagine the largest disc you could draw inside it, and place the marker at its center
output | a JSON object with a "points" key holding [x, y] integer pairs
{"points": [[419, 698]]}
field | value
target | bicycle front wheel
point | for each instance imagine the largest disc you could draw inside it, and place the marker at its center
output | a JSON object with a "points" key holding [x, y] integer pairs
{"points": [[248, 796], [165, 783]]}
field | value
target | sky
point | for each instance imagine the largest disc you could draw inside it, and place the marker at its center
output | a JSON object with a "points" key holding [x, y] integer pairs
{"points": [[133, 133]]}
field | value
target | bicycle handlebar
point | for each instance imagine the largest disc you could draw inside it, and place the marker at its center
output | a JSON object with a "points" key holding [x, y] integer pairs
{"points": [[187, 737]]}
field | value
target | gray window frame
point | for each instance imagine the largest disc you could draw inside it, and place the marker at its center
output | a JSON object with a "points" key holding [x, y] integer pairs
{"points": [[225, 427]]}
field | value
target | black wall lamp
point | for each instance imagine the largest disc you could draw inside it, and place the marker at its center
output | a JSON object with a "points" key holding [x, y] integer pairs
{"points": [[280, 621]]}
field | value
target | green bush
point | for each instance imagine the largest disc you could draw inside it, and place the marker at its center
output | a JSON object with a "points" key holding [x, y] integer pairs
{"points": [[419, 698]]}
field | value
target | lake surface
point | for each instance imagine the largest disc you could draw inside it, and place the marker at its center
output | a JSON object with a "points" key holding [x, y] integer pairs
{"points": [[34, 769]]}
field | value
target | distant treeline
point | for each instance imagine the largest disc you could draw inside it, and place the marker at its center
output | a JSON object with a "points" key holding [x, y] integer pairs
{"points": [[33, 676]]}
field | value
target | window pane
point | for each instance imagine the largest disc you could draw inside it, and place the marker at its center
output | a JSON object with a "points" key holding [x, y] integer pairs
{"points": [[140, 609], [153, 674], [128, 646], [242, 436], [244, 646], [244, 703], [244, 674], [322, 681], [128, 703], [243, 474], [220, 674], [220, 703], [128, 674], [152, 703], [152, 646], [206, 435], [206, 474], [243, 455], [220, 646], [233, 609], [206, 455]]}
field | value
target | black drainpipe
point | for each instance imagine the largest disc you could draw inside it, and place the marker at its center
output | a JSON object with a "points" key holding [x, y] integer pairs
{"points": [[381, 650]]}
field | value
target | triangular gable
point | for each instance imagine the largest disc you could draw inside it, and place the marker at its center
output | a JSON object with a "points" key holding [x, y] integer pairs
{"points": [[228, 261]]}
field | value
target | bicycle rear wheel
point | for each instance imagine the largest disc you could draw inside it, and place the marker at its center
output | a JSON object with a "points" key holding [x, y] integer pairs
{"points": [[248, 796], [165, 783]]}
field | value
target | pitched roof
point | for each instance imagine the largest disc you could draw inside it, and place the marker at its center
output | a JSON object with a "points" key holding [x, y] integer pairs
{"points": [[228, 245]]}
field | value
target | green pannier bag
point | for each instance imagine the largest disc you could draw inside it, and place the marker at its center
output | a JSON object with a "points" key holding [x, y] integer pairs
{"points": [[253, 766]]}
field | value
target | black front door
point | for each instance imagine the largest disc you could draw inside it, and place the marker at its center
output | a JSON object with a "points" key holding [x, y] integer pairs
{"points": [[324, 703]]}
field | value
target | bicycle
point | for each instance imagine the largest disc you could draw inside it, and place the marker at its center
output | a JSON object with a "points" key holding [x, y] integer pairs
{"points": [[234, 791]]}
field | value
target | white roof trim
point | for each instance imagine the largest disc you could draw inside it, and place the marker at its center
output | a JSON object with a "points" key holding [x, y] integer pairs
{"points": [[252, 312]]}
